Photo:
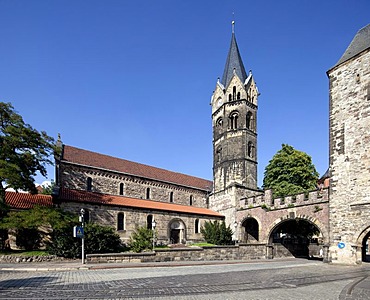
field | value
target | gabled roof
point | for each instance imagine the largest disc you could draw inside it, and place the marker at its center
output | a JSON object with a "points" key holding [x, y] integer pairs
{"points": [[101, 161], [233, 61], [105, 199], [26, 201], [360, 42]]}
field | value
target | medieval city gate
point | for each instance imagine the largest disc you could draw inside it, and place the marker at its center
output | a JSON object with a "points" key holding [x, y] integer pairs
{"points": [[290, 226]]}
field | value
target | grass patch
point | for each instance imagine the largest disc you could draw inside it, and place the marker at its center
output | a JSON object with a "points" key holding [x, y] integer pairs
{"points": [[161, 247], [202, 244], [25, 253]]}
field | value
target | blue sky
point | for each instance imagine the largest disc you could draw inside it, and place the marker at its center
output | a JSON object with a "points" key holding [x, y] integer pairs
{"points": [[133, 79]]}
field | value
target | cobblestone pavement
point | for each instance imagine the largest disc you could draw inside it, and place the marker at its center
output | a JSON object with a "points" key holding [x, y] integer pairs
{"points": [[293, 279]]}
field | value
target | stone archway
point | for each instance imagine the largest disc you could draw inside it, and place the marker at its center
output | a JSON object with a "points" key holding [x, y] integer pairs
{"points": [[177, 232], [363, 242], [296, 237], [250, 232]]}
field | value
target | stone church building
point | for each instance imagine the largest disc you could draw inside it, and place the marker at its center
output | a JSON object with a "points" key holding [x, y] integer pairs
{"points": [[126, 194]]}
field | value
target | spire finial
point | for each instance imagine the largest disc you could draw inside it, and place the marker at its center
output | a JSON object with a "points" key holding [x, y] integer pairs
{"points": [[233, 24]]}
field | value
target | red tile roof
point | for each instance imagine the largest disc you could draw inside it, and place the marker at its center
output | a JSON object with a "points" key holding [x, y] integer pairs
{"points": [[25, 200], [97, 160], [97, 198]]}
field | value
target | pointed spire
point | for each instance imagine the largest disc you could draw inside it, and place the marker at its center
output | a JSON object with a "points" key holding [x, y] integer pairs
{"points": [[234, 63]]}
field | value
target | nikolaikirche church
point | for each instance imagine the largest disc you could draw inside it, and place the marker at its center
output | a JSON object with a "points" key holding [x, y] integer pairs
{"points": [[127, 195]]}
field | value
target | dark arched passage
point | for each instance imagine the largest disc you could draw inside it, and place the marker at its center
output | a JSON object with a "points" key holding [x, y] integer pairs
{"points": [[250, 231], [296, 237], [366, 248]]}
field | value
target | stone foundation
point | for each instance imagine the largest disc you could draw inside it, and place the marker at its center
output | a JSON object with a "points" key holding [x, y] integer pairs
{"points": [[241, 252]]}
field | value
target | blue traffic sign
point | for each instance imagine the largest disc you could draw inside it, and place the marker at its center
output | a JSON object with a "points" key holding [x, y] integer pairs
{"points": [[341, 245], [78, 232]]}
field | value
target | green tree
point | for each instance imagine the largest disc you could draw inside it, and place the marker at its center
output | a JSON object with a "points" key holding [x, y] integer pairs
{"points": [[217, 233], [141, 239], [31, 226], [47, 189], [289, 172], [23, 152]]}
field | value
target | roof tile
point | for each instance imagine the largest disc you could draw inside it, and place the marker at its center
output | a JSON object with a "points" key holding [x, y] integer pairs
{"points": [[97, 198], [26, 201], [97, 160]]}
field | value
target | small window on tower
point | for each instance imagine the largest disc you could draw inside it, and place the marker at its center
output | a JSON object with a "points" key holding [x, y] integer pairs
{"points": [[234, 92], [147, 193], [171, 197], [238, 96], [234, 120], [191, 200], [249, 120], [250, 149], [219, 122]]}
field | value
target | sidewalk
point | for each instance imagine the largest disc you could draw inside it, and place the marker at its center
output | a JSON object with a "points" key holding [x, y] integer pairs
{"points": [[77, 265]]}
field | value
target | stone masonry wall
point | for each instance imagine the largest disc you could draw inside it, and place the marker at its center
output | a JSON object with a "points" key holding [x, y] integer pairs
{"points": [[349, 157], [312, 207], [133, 218], [243, 252], [75, 177]]}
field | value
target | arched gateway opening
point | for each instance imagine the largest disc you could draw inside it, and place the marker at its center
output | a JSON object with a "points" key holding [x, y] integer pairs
{"points": [[250, 231], [366, 248], [296, 237]]}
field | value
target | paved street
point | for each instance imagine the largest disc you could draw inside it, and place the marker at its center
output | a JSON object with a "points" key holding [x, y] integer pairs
{"points": [[277, 279]]}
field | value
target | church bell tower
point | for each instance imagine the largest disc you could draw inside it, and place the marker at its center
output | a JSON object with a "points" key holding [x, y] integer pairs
{"points": [[234, 121]]}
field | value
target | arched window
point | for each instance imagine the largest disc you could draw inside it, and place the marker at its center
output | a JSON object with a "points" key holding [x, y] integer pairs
{"points": [[196, 226], [121, 188], [230, 97], [171, 197], [219, 123], [238, 96], [250, 149], [219, 154], [147, 193], [89, 184], [249, 120], [149, 220], [234, 120], [120, 221], [191, 200], [234, 92]]}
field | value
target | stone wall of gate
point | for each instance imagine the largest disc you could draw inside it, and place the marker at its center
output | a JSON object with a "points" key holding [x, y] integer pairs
{"points": [[269, 212]]}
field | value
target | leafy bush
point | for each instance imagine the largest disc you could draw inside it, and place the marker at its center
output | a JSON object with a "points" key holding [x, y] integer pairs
{"points": [[28, 225], [28, 238], [98, 239], [141, 239], [101, 239], [62, 243], [217, 233]]}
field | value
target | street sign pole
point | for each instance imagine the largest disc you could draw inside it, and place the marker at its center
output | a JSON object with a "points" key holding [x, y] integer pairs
{"points": [[82, 211]]}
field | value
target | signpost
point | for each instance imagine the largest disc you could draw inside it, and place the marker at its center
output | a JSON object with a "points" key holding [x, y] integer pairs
{"points": [[78, 232]]}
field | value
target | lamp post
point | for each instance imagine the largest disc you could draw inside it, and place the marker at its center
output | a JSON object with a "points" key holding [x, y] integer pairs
{"points": [[82, 213], [236, 231], [153, 228]]}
